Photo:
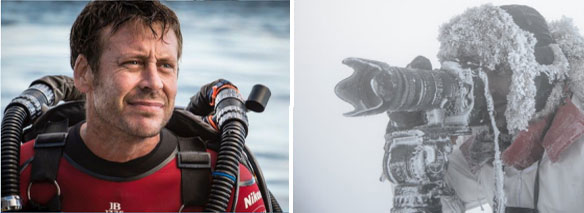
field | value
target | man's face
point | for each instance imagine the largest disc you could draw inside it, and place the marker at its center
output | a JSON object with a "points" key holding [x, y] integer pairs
{"points": [[499, 84], [135, 87]]}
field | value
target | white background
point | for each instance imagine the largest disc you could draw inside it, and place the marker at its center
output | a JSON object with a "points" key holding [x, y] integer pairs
{"points": [[337, 160]]}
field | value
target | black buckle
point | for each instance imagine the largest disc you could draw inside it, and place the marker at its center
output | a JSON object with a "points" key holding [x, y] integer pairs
{"points": [[194, 160], [50, 140]]}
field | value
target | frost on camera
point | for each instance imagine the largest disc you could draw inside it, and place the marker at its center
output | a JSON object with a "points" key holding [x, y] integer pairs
{"points": [[462, 112]]}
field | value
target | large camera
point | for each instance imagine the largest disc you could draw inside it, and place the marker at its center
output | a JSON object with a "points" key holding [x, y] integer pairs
{"points": [[427, 107], [375, 87]]}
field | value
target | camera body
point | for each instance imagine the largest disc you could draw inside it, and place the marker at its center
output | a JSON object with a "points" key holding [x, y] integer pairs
{"points": [[426, 108]]}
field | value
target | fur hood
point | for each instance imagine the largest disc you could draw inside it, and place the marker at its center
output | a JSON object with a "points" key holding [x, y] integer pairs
{"points": [[487, 35], [572, 44]]}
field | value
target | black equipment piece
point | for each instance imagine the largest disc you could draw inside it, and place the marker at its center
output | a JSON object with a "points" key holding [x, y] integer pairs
{"points": [[426, 108], [258, 98], [22, 111], [375, 87], [231, 119]]}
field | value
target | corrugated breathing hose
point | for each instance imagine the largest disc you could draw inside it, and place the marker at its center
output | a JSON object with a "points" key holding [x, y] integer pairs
{"points": [[19, 113], [22, 111], [231, 119]]}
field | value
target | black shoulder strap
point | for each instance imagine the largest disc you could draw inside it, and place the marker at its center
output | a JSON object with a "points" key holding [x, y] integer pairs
{"points": [[48, 150], [195, 166], [536, 187]]}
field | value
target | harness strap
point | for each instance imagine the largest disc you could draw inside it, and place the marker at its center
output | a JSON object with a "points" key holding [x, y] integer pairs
{"points": [[536, 187], [48, 150], [195, 166], [192, 159], [54, 205]]}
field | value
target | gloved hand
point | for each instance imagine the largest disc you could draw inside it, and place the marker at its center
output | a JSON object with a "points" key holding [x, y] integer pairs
{"points": [[478, 150], [203, 102]]}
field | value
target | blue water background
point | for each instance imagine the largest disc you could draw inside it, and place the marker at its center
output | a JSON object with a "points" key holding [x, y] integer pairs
{"points": [[244, 42]]}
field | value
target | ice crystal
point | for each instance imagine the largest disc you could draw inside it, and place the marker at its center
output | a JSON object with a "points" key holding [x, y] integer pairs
{"points": [[486, 36], [572, 44]]}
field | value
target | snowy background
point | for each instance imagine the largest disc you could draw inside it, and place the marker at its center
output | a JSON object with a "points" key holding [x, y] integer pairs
{"points": [[337, 160], [244, 42]]}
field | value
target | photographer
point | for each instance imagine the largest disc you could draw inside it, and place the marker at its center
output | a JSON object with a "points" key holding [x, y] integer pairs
{"points": [[538, 109], [501, 121]]}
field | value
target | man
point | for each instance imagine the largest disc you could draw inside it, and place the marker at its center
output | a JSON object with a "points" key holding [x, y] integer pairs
{"points": [[121, 157], [535, 78]]}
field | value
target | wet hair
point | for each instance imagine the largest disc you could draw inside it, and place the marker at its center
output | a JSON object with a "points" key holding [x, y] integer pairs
{"points": [[86, 33]]}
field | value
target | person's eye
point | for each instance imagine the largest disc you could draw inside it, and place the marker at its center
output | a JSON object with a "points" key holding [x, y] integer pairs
{"points": [[167, 67], [132, 62]]}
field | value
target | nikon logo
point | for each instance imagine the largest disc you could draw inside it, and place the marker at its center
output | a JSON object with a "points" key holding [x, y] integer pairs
{"points": [[252, 198]]}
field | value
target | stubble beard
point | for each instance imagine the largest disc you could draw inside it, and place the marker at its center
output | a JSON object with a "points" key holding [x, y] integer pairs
{"points": [[110, 115]]}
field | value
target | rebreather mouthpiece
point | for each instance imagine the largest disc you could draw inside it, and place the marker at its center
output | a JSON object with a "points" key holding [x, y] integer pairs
{"points": [[258, 98]]}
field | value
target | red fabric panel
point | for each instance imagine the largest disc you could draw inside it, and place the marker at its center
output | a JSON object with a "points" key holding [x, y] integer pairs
{"points": [[526, 149], [567, 127], [158, 192]]}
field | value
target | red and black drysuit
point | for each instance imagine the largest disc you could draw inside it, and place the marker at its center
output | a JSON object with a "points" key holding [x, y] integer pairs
{"points": [[150, 183]]}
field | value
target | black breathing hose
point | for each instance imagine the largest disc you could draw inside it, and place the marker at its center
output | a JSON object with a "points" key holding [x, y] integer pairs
{"points": [[11, 134], [271, 203], [21, 111], [275, 205], [230, 116], [232, 122], [226, 169]]}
